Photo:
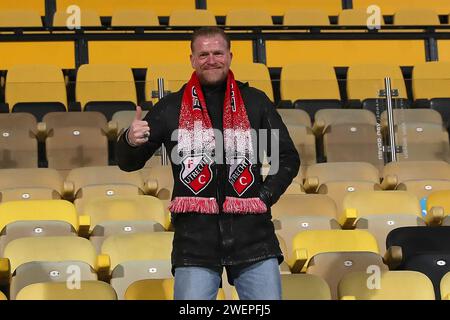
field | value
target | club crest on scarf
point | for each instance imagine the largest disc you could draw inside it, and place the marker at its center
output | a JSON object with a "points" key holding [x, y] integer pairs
{"points": [[195, 100], [196, 172], [241, 175]]}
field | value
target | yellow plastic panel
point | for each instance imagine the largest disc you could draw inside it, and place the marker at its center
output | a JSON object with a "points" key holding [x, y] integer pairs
{"points": [[61, 54], [276, 8], [389, 7], [346, 52], [140, 54], [107, 7], [36, 5]]}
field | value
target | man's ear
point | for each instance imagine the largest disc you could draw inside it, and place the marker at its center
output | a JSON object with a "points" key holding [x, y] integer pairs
{"points": [[231, 56], [192, 60]]}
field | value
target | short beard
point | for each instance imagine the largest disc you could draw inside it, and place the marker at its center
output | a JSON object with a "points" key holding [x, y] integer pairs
{"points": [[205, 82]]}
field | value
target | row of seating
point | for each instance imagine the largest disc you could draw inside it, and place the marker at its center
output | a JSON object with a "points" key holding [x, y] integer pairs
{"points": [[193, 17], [97, 85], [340, 135], [330, 256], [68, 140], [220, 8], [294, 287]]}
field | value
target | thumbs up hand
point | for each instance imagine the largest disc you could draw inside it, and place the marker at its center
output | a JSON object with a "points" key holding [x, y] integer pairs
{"points": [[139, 131]]}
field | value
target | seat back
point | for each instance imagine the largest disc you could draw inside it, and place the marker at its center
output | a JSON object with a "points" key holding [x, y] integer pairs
{"points": [[393, 285], [256, 74], [20, 18], [18, 144], [105, 83], [88, 18], [192, 17], [308, 81], [35, 83], [88, 290], [133, 17]]}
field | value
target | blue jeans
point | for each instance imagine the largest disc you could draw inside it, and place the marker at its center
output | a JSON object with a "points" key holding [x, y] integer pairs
{"points": [[260, 281]]}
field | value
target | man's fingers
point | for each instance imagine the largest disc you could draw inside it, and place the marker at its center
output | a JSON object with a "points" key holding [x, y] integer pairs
{"points": [[138, 115]]}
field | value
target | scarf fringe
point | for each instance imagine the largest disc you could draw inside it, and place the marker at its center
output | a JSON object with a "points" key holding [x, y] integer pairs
{"points": [[194, 204], [244, 205]]}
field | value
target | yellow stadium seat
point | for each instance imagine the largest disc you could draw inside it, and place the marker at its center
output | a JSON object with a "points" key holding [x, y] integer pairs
{"points": [[83, 184], [445, 287], [304, 287], [35, 88], [338, 179], [305, 17], [422, 142], [54, 259], [20, 18], [174, 75], [416, 17], [438, 206], [220, 8], [138, 256], [150, 289], [390, 7], [134, 17], [346, 131], [2, 296], [379, 212], [18, 147], [295, 117], [328, 117], [75, 139], [421, 115], [38, 218], [248, 17], [387, 285], [431, 80], [87, 290], [106, 88], [192, 18], [316, 212], [36, 5], [309, 82], [108, 8], [366, 80], [80, 178], [29, 249], [30, 184], [332, 266], [307, 244], [124, 215], [420, 178], [355, 17], [88, 18], [156, 289], [256, 74]]}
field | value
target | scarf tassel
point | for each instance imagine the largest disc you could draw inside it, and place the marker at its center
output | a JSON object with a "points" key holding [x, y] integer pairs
{"points": [[244, 205], [194, 204]]}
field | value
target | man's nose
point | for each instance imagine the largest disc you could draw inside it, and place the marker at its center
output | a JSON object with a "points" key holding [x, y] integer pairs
{"points": [[210, 59]]}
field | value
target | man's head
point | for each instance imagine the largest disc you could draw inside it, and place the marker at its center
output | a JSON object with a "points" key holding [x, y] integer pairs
{"points": [[210, 55]]}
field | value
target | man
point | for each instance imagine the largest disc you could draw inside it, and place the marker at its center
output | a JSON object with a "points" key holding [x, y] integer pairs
{"points": [[220, 208]]}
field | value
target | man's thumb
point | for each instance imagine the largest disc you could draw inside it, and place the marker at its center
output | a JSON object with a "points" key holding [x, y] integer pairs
{"points": [[138, 115]]}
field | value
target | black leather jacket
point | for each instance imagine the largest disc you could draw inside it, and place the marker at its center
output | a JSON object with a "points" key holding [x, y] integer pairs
{"points": [[224, 239]]}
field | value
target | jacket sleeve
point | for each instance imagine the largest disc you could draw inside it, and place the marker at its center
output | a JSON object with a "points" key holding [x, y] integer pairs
{"points": [[131, 158], [288, 159]]}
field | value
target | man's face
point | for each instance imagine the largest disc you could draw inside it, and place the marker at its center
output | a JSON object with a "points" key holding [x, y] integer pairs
{"points": [[211, 59]]}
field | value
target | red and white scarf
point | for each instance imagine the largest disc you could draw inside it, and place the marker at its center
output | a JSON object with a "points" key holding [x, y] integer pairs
{"points": [[196, 144]]}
